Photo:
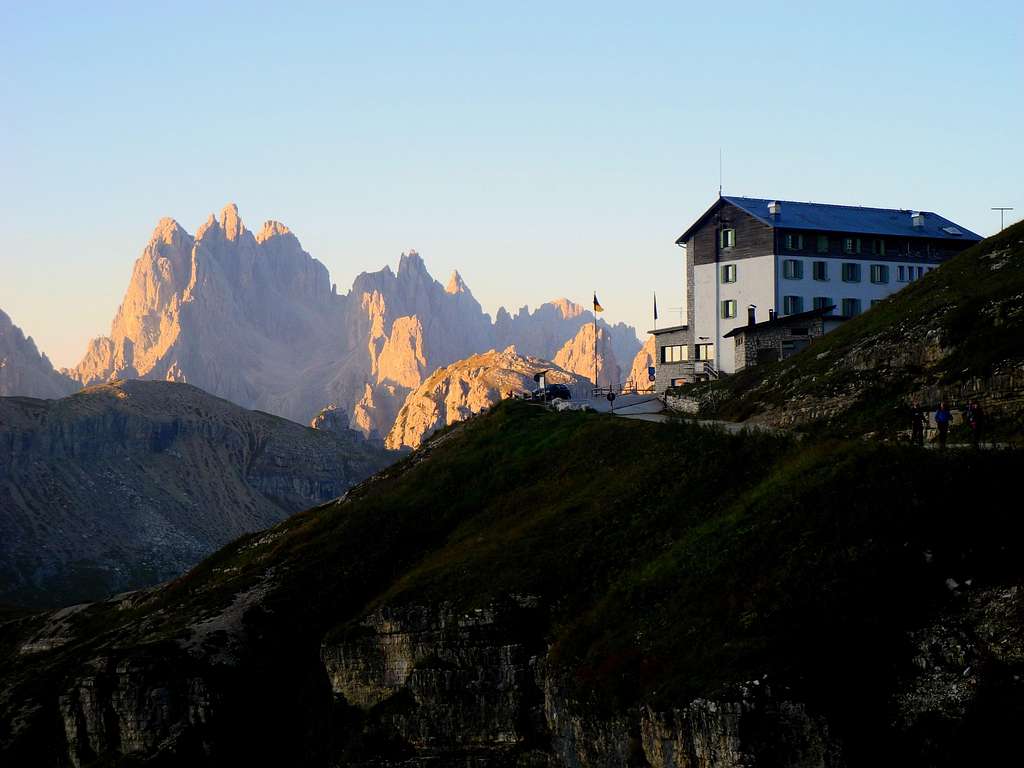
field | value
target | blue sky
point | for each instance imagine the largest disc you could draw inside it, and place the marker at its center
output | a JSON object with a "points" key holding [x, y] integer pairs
{"points": [[543, 149]]}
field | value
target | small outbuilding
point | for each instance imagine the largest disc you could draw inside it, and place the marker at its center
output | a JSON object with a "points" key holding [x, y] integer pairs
{"points": [[780, 337]]}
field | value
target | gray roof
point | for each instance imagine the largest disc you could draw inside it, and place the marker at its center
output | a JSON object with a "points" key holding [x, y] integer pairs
{"points": [[851, 219], [778, 320]]}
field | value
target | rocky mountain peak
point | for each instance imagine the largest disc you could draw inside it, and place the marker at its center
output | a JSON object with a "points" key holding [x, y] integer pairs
{"points": [[230, 222], [411, 263], [167, 231], [578, 356], [211, 223], [568, 309], [456, 284], [23, 369], [466, 387], [271, 229], [254, 319]]}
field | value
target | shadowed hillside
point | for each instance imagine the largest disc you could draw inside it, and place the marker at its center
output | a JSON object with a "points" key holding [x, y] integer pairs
{"points": [[124, 485], [533, 588]]}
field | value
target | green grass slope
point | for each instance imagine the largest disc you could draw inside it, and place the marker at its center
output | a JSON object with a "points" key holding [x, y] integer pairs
{"points": [[671, 561], [955, 334]]}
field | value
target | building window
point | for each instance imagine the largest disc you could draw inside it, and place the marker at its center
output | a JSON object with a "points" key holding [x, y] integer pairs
{"points": [[879, 273], [820, 302], [791, 305], [728, 273], [677, 353], [728, 309], [677, 382], [851, 273], [822, 243], [794, 242], [851, 245], [851, 307], [878, 247], [792, 269], [705, 351], [728, 238], [820, 269], [901, 273]]}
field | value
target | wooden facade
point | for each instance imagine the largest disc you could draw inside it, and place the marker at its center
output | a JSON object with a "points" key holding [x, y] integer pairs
{"points": [[753, 237]]}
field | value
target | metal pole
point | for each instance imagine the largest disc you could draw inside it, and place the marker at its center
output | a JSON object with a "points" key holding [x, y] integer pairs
{"points": [[1001, 212]]}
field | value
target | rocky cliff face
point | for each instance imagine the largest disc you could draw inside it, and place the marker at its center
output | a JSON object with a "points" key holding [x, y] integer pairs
{"points": [[468, 387], [127, 484], [645, 358], [242, 316], [473, 686], [578, 356], [255, 319], [23, 370]]}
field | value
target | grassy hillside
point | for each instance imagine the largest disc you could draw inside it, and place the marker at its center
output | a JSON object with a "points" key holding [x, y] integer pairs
{"points": [[956, 333], [671, 561]]}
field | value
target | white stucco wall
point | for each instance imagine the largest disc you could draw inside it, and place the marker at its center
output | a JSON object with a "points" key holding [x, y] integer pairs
{"points": [[835, 288], [755, 284]]}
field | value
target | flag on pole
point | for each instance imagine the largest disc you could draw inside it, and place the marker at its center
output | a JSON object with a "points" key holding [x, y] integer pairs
{"points": [[597, 305], [655, 305]]}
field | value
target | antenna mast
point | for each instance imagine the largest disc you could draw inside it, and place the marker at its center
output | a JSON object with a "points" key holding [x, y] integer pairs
{"points": [[1001, 212], [719, 171]]}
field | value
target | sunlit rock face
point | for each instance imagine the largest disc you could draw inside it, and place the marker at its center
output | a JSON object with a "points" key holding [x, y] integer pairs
{"points": [[638, 373], [468, 387], [255, 319], [24, 370], [581, 355]]}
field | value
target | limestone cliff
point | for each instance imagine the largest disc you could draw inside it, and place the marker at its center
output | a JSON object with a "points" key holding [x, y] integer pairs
{"points": [[545, 330], [638, 372], [123, 485], [468, 387], [578, 356], [255, 319], [24, 370]]}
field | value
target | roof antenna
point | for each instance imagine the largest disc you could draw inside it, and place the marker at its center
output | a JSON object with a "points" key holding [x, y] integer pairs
{"points": [[719, 171]]}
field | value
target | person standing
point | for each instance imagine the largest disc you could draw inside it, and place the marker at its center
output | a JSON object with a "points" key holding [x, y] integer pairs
{"points": [[974, 418], [916, 425], [942, 419]]}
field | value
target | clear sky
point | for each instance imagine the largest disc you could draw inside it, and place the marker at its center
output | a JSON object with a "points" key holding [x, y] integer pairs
{"points": [[543, 149]]}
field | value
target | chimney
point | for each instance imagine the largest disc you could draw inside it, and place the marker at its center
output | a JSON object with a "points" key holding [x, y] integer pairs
{"points": [[771, 314], [751, 310], [774, 208], [917, 220]]}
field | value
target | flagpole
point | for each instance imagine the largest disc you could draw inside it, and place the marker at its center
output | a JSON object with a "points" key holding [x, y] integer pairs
{"points": [[595, 338]]}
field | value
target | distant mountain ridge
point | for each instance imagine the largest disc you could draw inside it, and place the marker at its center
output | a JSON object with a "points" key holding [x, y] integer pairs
{"points": [[255, 319], [23, 369], [123, 485]]}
